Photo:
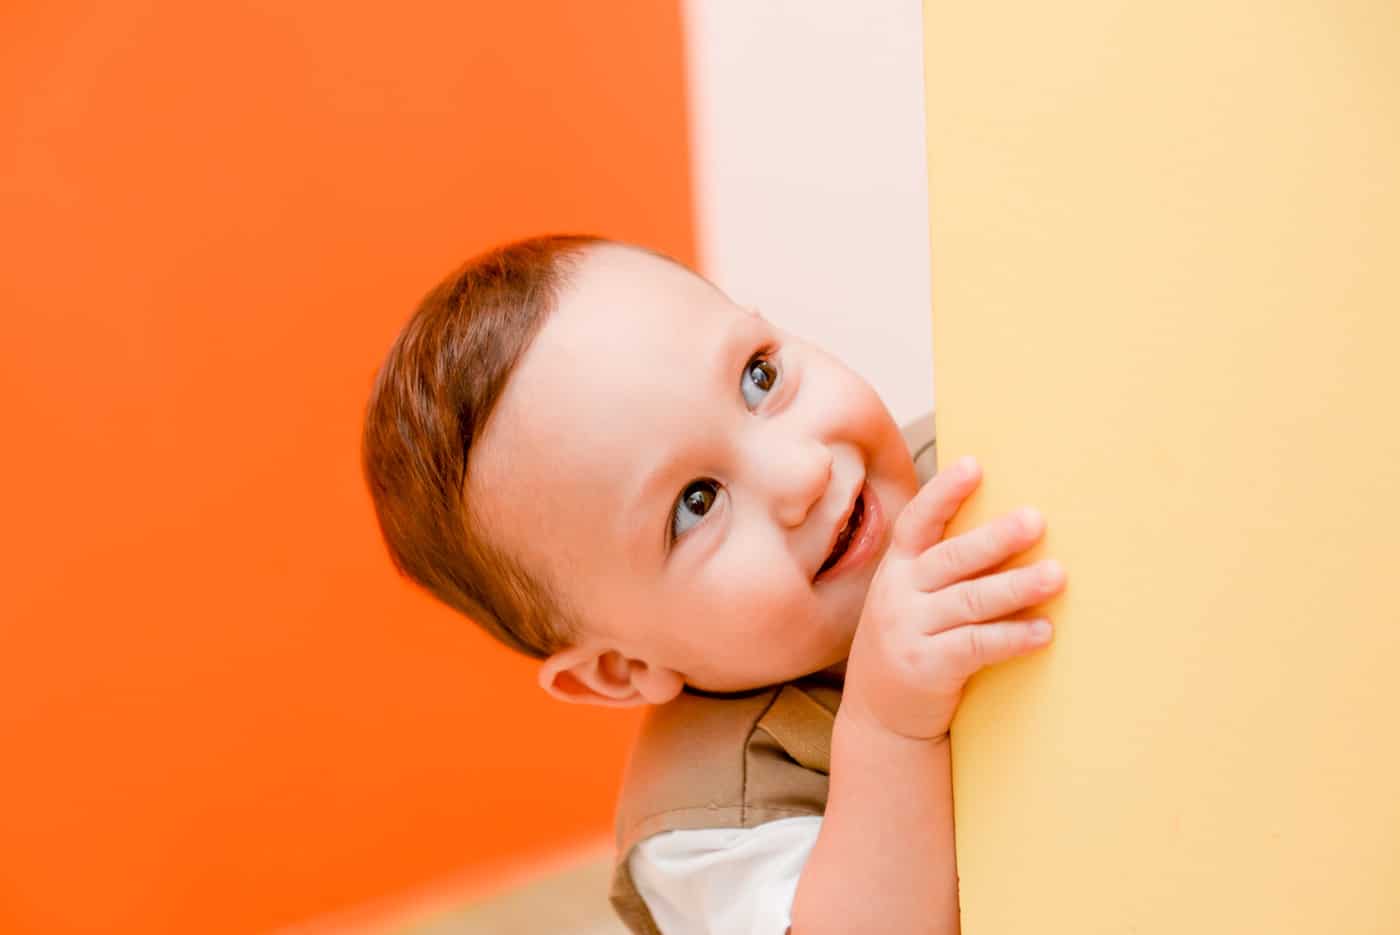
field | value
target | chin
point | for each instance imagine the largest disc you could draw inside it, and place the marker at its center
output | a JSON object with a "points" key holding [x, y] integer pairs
{"points": [[839, 649]]}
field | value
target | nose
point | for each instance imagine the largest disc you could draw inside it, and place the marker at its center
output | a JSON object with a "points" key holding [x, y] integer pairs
{"points": [[795, 474]]}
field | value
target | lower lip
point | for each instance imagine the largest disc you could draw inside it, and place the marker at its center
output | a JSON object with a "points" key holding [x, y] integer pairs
{"points": [[866, 540]]}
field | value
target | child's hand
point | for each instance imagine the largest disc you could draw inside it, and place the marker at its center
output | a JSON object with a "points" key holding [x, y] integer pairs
{"points": [[929, 624]]}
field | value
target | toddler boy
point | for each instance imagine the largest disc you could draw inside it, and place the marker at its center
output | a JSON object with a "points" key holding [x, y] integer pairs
{"points": [[597, 456]]}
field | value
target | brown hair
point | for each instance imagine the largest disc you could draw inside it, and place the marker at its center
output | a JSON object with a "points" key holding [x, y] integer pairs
{"points": [[431, 401]]}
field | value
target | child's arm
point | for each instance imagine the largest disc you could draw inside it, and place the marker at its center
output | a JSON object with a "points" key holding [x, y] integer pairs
{"points": [[884, 859]]}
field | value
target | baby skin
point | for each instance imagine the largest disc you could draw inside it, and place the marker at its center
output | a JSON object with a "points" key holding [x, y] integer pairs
{"points": [[681, 471], [930, 621]]}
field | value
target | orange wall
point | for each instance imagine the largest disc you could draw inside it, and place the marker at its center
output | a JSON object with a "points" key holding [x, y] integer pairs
{"points": [[219, 708]]}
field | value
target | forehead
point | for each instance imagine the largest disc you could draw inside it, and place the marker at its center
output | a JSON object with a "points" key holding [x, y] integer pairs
{"points": [[620, 297], [617, 371]]}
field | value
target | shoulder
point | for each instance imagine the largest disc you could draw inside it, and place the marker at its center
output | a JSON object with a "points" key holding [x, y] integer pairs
{"points": [[728, 761], [701, 769], [921, 438], [705, 770], [689, 765]]}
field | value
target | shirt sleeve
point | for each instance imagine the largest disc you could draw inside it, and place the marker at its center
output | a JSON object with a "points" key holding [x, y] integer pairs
{"points": [[736, 881]]}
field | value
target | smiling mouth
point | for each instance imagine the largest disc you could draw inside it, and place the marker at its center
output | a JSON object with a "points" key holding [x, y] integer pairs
{"points": [[843, 539]]}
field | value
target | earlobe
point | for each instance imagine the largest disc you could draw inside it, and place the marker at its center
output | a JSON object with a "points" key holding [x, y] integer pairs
{"points": [[584, 675]]}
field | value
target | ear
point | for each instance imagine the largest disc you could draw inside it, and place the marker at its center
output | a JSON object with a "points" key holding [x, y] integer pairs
{"points": [[601, 676]]}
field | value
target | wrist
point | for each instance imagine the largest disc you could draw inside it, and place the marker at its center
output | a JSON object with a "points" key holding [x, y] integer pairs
{"points": [[855, 726]]}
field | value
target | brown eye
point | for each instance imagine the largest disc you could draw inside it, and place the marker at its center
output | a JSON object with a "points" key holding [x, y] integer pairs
{"points": [[695, 501], [761, 373]]}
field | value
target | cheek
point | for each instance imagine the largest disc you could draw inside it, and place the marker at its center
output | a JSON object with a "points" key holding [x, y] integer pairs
{"points": [[843, 397], [756, 577], [863, 417]]}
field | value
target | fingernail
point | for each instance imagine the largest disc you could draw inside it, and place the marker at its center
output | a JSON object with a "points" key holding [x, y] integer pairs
{"points": [[967, 465], [1040, 630]]}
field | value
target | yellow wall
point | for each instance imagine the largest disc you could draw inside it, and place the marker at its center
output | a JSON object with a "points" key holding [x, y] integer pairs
{"points": [[1166, 281]]}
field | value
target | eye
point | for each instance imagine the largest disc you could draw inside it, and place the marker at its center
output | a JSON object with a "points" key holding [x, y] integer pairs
{"points": [[762, 374], [695, 501]]}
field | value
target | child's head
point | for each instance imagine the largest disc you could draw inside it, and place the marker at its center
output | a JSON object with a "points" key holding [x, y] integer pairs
{"points": [[593, 453]]}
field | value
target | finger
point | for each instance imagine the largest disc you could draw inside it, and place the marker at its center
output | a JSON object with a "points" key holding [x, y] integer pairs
{"points": [[967, 649], [993, 596], [922, 521], [979, 549]]}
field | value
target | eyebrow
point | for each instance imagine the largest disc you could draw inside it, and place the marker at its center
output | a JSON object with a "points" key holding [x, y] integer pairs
{"points": [[724, 367]]}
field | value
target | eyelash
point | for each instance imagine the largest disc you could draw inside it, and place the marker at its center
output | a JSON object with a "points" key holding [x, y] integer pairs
{"points": [[766, 355]]}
